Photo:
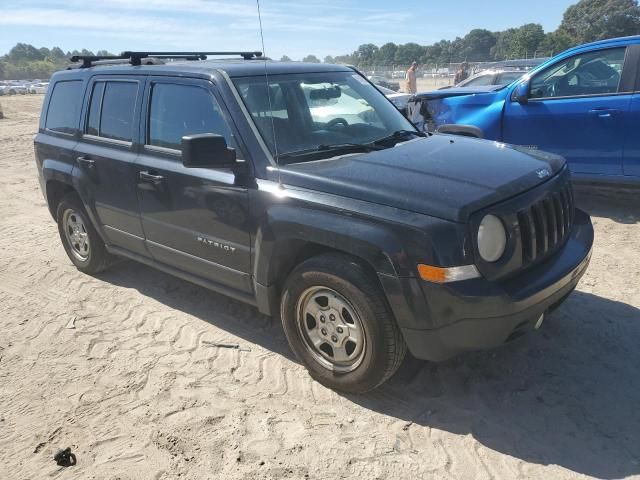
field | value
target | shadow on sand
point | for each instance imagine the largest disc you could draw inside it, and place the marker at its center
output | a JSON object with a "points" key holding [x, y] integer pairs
{"points": [[619, 204], [567, 395]]}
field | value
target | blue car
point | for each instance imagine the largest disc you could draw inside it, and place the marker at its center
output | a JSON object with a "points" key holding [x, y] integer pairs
{"points": [[583, 104]]}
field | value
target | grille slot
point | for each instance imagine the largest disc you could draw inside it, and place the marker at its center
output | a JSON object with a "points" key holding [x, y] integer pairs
{"points": [[545, 225]]}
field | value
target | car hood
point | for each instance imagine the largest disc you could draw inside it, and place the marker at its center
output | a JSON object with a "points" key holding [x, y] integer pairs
{"points": [[443, 176], [456, 92]]}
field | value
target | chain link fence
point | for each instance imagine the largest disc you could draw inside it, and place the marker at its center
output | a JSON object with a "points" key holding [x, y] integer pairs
{"points": [[434, 75]]}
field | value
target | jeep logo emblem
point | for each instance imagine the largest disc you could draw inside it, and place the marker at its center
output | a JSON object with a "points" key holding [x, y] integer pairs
{"points": [[543, 173]]}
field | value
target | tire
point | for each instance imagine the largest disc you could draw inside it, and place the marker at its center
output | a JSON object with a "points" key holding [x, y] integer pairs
{"points": [[76, 231], [332, 299]]}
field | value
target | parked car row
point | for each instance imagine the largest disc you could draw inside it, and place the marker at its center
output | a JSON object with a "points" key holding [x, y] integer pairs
{"points": [[22, 88], [583, 104], [383, 82]]}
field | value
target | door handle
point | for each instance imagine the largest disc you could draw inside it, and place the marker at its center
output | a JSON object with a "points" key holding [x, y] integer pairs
{"points": [[604, 112], [148, 177], [85, 162]]}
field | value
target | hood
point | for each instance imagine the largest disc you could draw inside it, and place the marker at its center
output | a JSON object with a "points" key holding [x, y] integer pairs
{"points": [[456, 92], [441, 175]]}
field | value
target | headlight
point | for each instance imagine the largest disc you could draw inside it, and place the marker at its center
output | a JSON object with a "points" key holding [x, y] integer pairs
{"points": [[492, 238]]}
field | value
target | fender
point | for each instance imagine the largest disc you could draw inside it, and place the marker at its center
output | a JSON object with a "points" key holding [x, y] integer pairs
{"points": [[286, 226], [83, 185], [72, 177], [55, 173], [288, 232], [57, 170]]}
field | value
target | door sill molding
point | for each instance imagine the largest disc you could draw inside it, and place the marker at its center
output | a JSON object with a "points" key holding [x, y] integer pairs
{"points": [[216, 287]]}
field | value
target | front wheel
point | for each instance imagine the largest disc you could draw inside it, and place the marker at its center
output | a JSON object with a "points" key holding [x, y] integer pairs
{"points": [[338, 324]]}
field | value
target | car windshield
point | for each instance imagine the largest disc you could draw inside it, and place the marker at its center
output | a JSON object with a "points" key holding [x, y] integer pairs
{"points": [[507, 78], [315, 113]]}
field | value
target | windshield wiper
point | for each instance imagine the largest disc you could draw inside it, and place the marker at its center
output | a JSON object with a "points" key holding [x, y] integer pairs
{"points": [[397, 135], [332, 148]]}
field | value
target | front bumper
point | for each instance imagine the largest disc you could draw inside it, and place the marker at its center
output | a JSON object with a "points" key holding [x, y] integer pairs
{"points": [[478, 314]]}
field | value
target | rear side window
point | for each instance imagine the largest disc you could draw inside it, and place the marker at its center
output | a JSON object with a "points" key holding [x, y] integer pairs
{"points": [[179, 110], [111, 110], [64, 106]]}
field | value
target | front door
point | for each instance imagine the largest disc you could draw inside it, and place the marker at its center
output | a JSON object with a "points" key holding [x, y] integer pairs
{"points": [[194, 219], [106, 155], [576, 108]]}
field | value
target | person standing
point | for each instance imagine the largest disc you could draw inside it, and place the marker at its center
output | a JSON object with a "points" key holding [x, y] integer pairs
{"points": [[462, 73], [410, 79]]}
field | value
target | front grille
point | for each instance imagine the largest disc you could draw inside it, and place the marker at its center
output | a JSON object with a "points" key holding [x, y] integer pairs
{"points": [[545, 225]]}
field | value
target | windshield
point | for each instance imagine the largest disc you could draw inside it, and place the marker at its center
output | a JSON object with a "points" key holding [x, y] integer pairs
{"points": [[314, 111]]}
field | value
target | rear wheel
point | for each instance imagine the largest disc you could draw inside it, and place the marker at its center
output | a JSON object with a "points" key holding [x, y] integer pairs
{"points": [[338, 324], [82, 243]]}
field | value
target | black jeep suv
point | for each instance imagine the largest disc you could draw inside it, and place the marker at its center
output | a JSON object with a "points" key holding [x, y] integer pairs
{"points": [[299, 188]]}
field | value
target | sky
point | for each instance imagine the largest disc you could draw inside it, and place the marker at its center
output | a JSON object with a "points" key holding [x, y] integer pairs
{"points": [[292, 27]]}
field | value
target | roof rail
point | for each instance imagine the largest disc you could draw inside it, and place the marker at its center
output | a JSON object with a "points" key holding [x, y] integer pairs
{"points": [[135, 58]]}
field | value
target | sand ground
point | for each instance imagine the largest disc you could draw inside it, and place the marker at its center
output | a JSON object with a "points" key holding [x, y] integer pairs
{"points": [[119, 368]]}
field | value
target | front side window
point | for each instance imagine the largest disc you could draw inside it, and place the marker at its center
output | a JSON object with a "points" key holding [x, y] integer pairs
{"points": [[179, 110], [64, 107], [111, 110], [317, 111], [592, 73]]}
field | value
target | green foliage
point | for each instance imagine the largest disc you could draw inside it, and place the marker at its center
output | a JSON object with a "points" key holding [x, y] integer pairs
{"points": [[477, 44], [407, 53], [586, 21], [285, 59], [25, 61], [590, 20]]}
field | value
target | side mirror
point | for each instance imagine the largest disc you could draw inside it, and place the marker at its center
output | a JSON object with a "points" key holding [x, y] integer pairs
{"points": [[521, 92], [207, 150]]}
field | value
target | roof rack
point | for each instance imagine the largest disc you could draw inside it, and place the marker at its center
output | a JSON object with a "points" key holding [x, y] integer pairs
{"points": [[135, 58]]}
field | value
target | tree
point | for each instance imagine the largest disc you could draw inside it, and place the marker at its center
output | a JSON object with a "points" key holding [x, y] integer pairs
{"points": [[408, 53], [506, 45], [311, 59], [590, 20], [553, 43], [528, 38], [285, 59], [328, 59], [366, 54], [344, 59], [57, 53], [477, 45], [386, 54], [24, 52]]}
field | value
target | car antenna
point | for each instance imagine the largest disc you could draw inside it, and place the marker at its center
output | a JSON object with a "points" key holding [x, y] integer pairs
{"points": [[266, 76]]}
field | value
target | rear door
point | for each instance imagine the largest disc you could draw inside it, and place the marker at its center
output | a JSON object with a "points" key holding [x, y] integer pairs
{"points": [[106, 155], [576, 109], [194, 219]]}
